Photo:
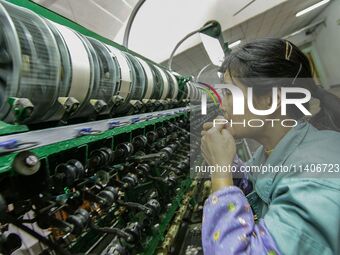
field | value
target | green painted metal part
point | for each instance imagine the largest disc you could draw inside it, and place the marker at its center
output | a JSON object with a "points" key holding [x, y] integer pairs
{"points": [[44, 151], [6, 129]]}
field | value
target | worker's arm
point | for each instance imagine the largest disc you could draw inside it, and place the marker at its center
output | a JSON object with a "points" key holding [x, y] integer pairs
{"points": [[228, 226], [228, 222], [218, 149]]}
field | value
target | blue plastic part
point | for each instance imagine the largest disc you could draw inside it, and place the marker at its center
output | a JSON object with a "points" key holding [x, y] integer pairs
{"points": [[114, 123], [84, 131], [9, 144], [135, 120]]}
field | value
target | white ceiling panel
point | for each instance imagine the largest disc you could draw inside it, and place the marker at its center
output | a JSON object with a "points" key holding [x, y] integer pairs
{"points": [[120, 9], [105, 17], [130, 2], [161, 24], [60, 6], [276, 22]]}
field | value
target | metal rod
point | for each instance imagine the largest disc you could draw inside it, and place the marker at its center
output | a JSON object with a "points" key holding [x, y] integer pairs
{"points": [[244, 7], [181, 41], [201, 71], [304, 29], [130, 22], [177, 46]]}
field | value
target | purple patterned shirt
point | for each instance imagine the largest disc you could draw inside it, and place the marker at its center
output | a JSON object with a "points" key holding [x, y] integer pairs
{"points": [[229, 227]]}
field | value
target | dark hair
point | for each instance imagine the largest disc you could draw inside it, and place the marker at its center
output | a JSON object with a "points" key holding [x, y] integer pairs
{"points": [[271, 62]]}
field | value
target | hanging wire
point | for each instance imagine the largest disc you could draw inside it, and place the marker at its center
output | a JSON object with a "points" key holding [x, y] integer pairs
{"points": [[210, 94], [213, 90], [213, 96]]}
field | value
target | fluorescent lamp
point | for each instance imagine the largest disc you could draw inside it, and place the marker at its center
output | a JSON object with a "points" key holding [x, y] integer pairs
{"points": [[234, 44], [312, 7]]}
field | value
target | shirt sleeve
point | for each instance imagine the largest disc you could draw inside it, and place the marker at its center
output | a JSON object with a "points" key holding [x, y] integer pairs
{"points": [[229, 227], [241, 179]]}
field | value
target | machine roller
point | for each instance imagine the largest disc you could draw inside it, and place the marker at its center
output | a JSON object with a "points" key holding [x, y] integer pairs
{"points": [[49, 72]]}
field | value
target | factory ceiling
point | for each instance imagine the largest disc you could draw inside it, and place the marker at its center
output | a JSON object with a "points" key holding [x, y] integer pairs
{"points": [[276, 22], [161, 24]]}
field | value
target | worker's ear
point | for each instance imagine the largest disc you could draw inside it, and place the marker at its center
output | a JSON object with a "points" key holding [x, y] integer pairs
{"points": [[267, 100], [264, 101], [278, 106]]}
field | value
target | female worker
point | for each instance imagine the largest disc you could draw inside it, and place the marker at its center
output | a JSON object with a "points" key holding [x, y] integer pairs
{"points": [[294, 212]]}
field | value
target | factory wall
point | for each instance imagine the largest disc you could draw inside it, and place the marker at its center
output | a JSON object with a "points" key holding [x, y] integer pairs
{"points": [[324, 44], [327, 43]]}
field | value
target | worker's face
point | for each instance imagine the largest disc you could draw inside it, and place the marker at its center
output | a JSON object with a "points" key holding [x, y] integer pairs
{"points": [[240, 127]]}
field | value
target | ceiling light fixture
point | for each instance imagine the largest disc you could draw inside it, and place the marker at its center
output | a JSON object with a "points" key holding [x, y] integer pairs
{"points": [[312, 7], [234, 44]]}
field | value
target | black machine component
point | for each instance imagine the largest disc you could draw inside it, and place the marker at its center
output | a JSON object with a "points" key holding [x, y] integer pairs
{"points": [[124, 150], [108, 197], [67, 174], [101, 158], [9, 243], [79, 220], [139, 142]]}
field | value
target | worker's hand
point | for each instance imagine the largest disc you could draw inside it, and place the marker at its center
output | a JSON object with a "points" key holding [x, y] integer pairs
{"points": [[217, 145], [206, 127]]}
